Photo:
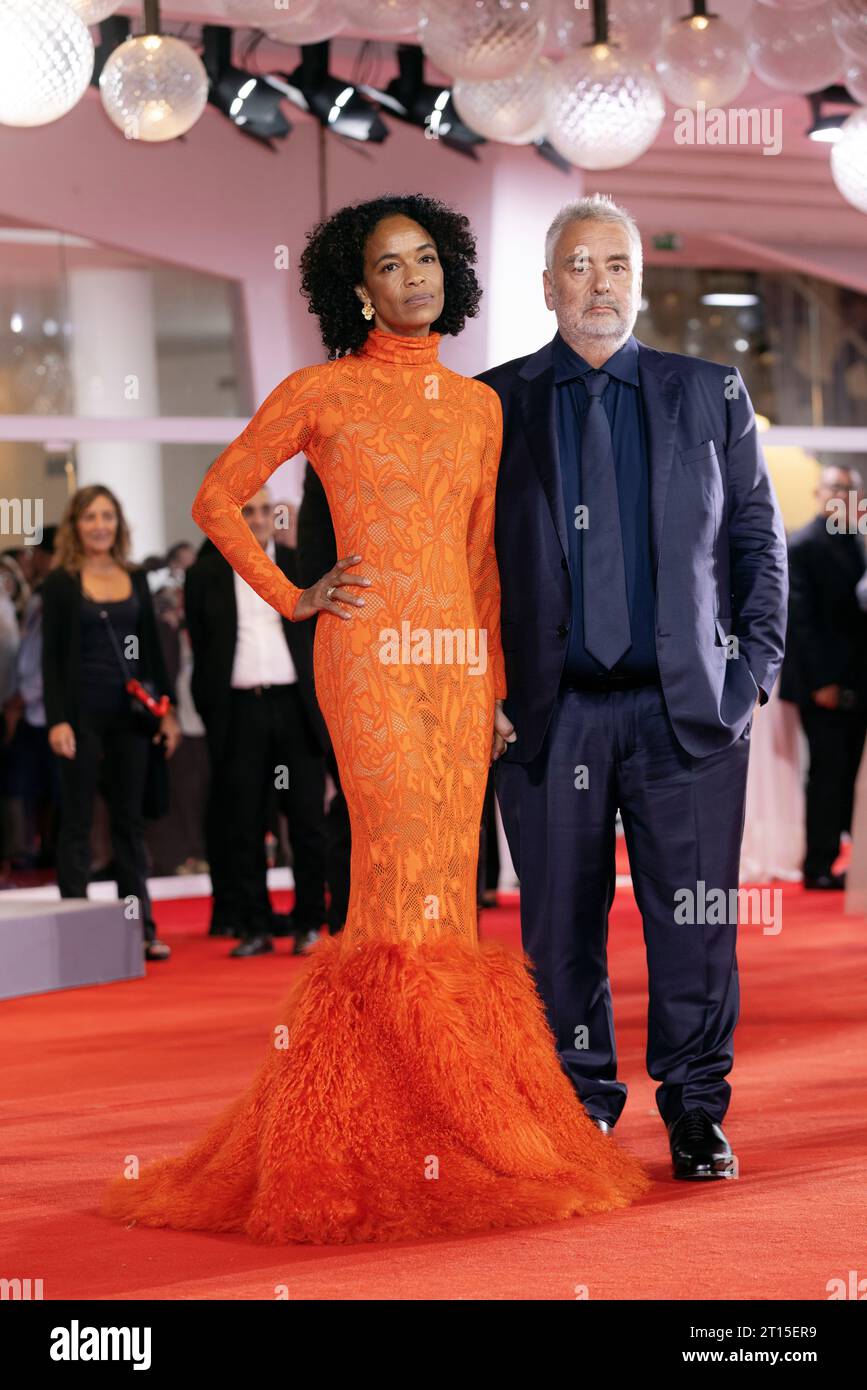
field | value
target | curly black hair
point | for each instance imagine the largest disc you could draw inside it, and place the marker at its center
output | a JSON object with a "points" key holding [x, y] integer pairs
{"points": [[332, 264]]}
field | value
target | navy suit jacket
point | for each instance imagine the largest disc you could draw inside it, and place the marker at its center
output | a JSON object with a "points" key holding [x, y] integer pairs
{"points": [[718, 548]]}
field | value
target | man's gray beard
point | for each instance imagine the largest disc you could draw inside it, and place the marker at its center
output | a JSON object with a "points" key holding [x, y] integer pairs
{"points": [[584, 328]]}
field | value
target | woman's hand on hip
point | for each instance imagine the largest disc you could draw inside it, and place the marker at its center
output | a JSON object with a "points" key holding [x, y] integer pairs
{"points": [[329, 594], [61, 737]]}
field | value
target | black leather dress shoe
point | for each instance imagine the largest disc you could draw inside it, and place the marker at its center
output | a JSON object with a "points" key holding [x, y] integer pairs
{"points": [[827, 882], [602, 1124], [254, 946], [699, 1149]]}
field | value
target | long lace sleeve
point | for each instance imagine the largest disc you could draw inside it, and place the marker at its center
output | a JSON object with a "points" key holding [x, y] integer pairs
{"points": [[280, 428], [481, 555]]}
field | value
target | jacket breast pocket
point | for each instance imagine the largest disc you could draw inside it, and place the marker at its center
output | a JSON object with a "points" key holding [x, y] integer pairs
{"points": [[697, 452]]}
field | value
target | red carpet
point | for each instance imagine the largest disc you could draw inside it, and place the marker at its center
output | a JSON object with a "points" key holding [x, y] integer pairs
{"points": [[93, 1075]]}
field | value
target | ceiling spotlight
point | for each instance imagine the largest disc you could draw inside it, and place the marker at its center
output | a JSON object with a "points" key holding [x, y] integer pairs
{"points": [[547, 151], [339, 105], [827, 129], [248, 100], [409, 98]]}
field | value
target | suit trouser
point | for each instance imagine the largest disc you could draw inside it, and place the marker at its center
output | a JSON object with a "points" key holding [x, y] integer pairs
{"points": [[112, 740], [220, 843], [836, 739], [267, 733], [683, 820]]}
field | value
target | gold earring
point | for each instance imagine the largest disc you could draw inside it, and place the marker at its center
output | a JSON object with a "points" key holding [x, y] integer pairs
{"points": [[368, 310]]}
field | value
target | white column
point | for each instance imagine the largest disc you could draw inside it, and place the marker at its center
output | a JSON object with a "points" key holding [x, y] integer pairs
{"points": [[526, 195], [114, 368]]}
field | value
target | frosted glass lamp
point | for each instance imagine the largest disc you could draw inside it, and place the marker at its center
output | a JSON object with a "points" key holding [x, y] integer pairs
{"points": [[855, 81], [603, 108], [326, 20], [849, 160], [509, 108], [849, 21], [154, 87], [635, 26], [382, 16], [482, 40], [263, 13], [795, 51], [46, 61], [702, 58], [93, 11], [789, 5]]}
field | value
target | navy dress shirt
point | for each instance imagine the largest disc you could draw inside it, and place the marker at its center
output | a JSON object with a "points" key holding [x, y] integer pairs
{"points": [[622, 404]]}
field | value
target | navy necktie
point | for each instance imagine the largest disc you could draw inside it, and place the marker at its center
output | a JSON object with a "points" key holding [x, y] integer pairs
{"points": [[607, 633]]}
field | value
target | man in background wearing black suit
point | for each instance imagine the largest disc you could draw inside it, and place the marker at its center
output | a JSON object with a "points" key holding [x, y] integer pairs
{"points": [[252, 684], [316, 555], [825, 670]]}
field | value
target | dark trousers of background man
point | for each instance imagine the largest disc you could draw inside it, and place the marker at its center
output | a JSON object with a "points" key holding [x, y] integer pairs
{"points": [[836, 739], [683, 819], [339, 850], [268, 732], [114, 741]]}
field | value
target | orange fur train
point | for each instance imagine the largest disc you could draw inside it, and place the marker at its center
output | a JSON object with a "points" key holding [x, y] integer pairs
{"points": [[411, 1091], [418, 1091]]}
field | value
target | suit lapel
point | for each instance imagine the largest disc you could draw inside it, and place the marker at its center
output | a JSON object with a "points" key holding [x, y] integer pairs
{"points": [[661, 394], [537, 401]]}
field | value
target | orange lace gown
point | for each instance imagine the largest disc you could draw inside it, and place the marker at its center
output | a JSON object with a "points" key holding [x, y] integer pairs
{"points": [[411, 1086]]}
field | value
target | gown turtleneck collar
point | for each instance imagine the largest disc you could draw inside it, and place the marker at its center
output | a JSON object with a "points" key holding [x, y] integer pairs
{"points": [[394, 347]]}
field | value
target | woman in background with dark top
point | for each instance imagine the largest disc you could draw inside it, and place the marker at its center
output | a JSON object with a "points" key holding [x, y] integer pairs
{"points": [[86, 702]]}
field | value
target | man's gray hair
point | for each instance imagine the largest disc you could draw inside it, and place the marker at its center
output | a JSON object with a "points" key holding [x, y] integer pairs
{"points": [[597, 207]]}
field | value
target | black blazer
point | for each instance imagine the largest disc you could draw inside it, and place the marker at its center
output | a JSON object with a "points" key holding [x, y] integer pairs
{"points": [[212, 622], [61, 644], [826, 642]]}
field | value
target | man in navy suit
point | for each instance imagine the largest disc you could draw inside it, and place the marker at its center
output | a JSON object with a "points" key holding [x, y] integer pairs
{"points": [[643, 570]]}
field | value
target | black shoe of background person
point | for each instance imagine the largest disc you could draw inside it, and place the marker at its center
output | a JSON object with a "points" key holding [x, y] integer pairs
{"points": [[287, 924], [833, 882], [699, 1149], [253, 946], [215, 929], [602, 1124]]}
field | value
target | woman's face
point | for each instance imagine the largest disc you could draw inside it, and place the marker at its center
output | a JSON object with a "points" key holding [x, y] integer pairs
{"points": [[403, 277], [97, 526]]}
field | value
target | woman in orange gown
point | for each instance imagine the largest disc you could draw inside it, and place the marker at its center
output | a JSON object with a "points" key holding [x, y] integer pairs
{"points": [[411, 1086]]}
